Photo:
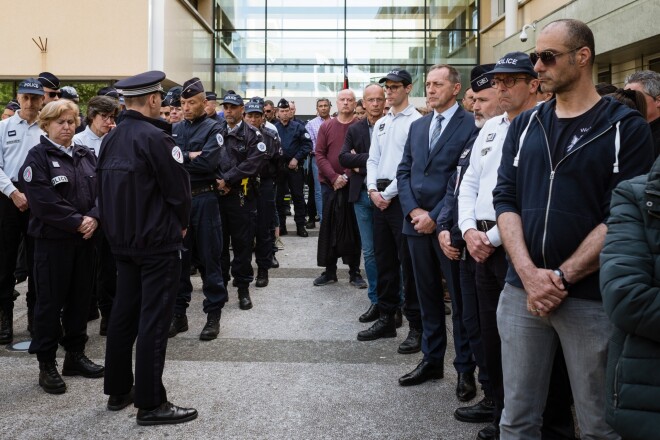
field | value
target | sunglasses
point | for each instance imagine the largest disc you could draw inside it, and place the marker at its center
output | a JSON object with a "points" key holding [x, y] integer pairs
{"points": [[548, 57], [54, 94]]}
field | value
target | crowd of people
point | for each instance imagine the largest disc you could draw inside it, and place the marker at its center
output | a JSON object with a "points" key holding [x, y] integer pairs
{"points": [[504, 199]]}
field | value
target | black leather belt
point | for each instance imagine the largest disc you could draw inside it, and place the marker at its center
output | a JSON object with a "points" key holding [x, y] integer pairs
{"points": [[485, 225], [382, 184], [202, 190]]}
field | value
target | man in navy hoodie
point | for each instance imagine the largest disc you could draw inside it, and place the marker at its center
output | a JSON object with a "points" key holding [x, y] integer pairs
{"points": [[560, 162]]}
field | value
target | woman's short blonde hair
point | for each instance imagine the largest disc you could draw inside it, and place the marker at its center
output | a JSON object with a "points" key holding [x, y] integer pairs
{"points": [[54, 110]]}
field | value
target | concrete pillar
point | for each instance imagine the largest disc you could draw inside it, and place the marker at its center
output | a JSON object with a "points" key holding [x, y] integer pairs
{"points": [[511, 18]]}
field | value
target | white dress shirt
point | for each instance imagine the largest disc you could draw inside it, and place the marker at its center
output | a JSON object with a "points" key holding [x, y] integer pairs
{"points": [[89, 139], [17, 137], [447, 115]]}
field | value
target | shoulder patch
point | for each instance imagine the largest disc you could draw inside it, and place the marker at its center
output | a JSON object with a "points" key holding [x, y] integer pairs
{"points": [[220, 139], [261, 147], [258, 133], [307, 136], [27, 174], [59, 179], [491, 137], [465, 153], [177, 154]]}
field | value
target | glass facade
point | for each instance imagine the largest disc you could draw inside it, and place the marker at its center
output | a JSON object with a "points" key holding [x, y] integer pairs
{"points": [[296, 48]]}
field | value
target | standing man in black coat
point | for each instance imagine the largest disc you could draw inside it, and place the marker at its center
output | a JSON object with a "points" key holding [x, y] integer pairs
{"points": [[144, 205]]}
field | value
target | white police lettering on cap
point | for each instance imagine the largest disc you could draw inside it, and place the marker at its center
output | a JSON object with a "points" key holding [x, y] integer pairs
{"points": [[27, 174], [220, 139], [307, 136], [59, 179], [482, 81], [261, 147], [177, 154], [508, 61]]}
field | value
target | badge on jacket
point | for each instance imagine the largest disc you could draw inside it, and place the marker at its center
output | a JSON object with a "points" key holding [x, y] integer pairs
{"points": [[27, 174], [177, 154], [307, 136], [59, 179], [220, 139], [490, 137], [261, 147]]}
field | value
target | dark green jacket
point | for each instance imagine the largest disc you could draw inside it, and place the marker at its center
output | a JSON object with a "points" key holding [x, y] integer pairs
{"points": [[630, 285]]}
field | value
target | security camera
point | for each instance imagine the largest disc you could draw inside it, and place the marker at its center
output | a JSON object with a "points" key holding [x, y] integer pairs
{"points": [[523, 36]]}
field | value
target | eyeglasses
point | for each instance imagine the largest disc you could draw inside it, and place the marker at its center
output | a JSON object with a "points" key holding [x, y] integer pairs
{"points": [[107, 118], [372, 100], [548, 57], [507, 82], [54, 94], [393, 88]]}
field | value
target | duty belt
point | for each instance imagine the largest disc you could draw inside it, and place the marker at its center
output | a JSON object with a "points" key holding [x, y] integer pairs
{"points": [[485, 225], [202, 190]]}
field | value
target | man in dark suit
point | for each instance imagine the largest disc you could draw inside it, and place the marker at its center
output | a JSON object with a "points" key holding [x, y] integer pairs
{"points": [[435, 143]]}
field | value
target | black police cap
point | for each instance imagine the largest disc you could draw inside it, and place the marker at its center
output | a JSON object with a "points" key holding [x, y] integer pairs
{"points": [[254, 107], [211, 96], [283, 103], [173, 96], [480, 77], [232, 98], [258, 99], [142, 84], [192, 87], [108, 91], [13, 105], [515, 62], [49, 80], [398, 75]]}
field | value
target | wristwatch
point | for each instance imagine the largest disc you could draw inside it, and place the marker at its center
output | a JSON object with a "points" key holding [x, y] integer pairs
{"points": [[560, 274]]}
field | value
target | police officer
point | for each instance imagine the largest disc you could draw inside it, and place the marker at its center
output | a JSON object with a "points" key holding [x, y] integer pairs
{"points": [[296, 146], [59, 181], [209, 108], [144, 203], [18, 134], [200, 140], [51, 86], [173, 97], [242, 155], [265, 235]]}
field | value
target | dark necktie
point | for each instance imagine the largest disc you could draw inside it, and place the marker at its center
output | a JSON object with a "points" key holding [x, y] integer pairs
{"points": [[436, 131]]}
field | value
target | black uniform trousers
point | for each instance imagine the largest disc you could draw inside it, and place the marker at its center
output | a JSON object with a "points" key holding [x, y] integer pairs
{"points": [[238, 228], [265, 233], [393, 261], [558, 420], [471, 319], [63, 271], [204, 238], [143, 309], [293, 180], [13, 227], [106, 276]]}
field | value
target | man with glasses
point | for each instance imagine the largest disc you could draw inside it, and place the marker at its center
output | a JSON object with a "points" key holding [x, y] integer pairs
{"points": [[51, 85], [270, 112], [390, 248], [560, 162], [18, 134], [323, 107], [648, 82]]}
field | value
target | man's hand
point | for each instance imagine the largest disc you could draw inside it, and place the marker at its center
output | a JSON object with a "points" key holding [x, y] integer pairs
{"points": [[293, 164], [545, 291], [222, 186], [444, 238], [422, 222], [194, 154], [339, 182], [88, 226], [378, 200], [478, 245], [19, 200], [184, 232]]}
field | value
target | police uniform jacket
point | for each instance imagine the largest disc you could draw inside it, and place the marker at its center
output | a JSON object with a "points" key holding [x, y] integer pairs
{"points": [[200, 134], [143, 188], [296, 142], [242, 154], [273, 153], [60, 189]]}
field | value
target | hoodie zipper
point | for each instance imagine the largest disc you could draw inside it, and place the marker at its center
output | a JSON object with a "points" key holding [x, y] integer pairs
{"points": [[552, 178]]}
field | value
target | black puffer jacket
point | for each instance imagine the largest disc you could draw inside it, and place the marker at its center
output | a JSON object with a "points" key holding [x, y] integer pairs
{"points": [[630, 284]]}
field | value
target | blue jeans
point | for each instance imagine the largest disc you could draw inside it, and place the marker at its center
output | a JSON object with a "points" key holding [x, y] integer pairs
{"points": [[364, 213], [318, 199], [528, 351]]}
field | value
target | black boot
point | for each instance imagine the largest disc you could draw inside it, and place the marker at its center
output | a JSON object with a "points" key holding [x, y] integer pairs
{"points": [[383, 328], [244, 301], [6, 326], [50, 379], [262, 278], [179, 325], [413, 343], [77, 364], [212, 327], [371, 314], [274, 264], [301, 231]]}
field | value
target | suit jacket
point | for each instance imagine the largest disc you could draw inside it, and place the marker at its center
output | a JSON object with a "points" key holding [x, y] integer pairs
{"points": [[423, 175], [358, 139]]}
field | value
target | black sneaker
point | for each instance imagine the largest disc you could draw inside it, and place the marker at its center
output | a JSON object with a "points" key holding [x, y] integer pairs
{"points": [[325, 279], [358, 282]]}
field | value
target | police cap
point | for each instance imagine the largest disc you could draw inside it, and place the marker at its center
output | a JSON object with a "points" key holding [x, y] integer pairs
{"points": [[211, 96], [70, 93], [142, 84], [108, 91], [515, 62], [173, 96], [254, 107], [480, 77], [192, 87], [49, 80], [13, 105], [397, 75], [258, 99], [283, 103], [232, 98], [31, 86]]}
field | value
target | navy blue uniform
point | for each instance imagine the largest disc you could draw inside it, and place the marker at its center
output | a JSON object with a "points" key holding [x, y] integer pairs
{"points": [[242, 156], [296, 143], [61, 190], [204, 237], [265, 247], [144, 203]]}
